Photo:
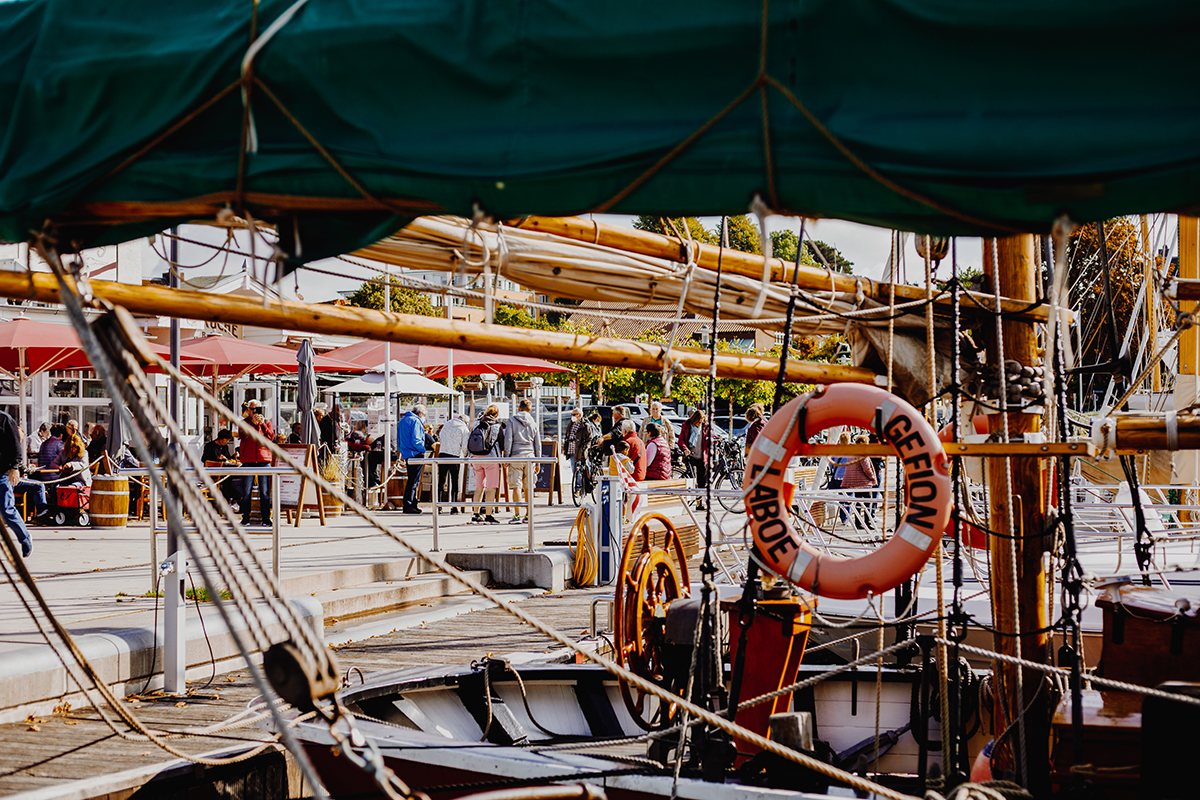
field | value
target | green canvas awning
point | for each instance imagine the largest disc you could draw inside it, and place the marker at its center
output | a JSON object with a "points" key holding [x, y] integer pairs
{"points": [[946, 116]]}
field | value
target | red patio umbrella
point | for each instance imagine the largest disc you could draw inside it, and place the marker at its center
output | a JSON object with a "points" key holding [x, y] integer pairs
{"points": [[231, 358], [436, 362], [28, 347]]}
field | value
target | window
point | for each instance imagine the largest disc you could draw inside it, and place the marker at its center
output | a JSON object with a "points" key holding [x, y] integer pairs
{"points": [[64, 387]]}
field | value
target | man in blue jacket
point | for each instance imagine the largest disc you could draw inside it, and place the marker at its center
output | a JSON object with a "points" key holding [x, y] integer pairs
{"points": [[410, 436], [10, 474]]}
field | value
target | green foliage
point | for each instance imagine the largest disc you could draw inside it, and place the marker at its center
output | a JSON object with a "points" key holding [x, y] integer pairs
{"points": [[835, 259], [675, 227], [200, 594], [404, 299], [966, 276], [783, 247], [743, 234], [514, 317]]}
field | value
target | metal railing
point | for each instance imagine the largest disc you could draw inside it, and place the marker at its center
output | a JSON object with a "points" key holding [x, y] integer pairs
{"points": [[273, 472], [528, 463]]}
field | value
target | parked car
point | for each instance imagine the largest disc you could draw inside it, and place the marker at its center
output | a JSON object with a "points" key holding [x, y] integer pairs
{"points": [[735, 425], [550, 423]]}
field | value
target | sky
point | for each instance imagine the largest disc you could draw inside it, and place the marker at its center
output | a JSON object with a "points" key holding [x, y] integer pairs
{"points": [[865, 246]]}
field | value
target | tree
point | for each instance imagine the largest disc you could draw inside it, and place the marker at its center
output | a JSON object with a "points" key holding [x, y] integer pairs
{"points": [[743, 234], [514, 317], [783, 247], [1128, 259], [675, 226], [832, 257], [404, 299]]}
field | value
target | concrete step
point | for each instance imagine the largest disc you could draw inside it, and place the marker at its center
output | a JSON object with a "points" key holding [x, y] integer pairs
{"points": [[383, 596], [32, 680], [399, 569]]}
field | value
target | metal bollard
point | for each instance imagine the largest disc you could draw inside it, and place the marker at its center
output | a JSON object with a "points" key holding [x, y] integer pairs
{"points": [[433, 491], [529, 501]]}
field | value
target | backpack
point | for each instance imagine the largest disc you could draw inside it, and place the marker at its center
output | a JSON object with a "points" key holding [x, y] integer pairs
{"points": [[481, 440]]}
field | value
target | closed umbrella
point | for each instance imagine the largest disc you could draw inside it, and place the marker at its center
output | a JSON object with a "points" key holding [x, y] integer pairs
{"points": [[306, 393], [115, 434]]}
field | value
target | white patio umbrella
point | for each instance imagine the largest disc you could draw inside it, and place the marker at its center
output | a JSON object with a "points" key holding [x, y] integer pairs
{"points": [[405, 380]]}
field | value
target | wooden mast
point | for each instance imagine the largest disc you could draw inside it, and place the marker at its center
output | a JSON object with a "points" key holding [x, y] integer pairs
{"points": [[1187, 463], [415, 329], [1018, 568], [746, 264]]}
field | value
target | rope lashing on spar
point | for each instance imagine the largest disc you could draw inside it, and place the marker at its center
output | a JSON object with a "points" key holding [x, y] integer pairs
{"points": [[672, 365]]}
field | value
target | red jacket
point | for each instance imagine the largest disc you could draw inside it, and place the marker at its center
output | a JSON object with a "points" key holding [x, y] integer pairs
{"points": [[250, 451], [637, 454]]}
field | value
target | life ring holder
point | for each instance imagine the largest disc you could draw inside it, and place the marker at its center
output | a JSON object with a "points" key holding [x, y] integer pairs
{"points": [[927, 479]]}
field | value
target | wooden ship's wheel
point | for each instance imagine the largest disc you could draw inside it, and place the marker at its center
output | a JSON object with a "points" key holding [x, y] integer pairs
{"points": [[653, 575]]}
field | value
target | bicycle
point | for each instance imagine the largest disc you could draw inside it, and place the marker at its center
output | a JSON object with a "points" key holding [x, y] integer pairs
{"points": [[730, 472], [727, 470], [584, 481]]}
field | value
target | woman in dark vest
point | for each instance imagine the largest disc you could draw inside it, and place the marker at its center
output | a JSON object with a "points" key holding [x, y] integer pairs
{"points": [[658, 454]]}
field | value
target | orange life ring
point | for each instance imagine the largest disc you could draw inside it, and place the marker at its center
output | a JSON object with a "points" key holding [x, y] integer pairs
{"points": [[925, 472]]}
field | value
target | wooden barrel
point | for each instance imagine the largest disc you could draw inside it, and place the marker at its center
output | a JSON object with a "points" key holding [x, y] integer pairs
{"points": [[110, 501], [333, 506], [395, 491]]}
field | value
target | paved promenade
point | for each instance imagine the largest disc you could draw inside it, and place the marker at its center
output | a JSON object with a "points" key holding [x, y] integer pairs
{"points": [[97, 582]]}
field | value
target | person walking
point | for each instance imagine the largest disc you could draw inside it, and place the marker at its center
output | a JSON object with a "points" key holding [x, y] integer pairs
{"points": [[521, 440], [253, 454], [453, 440], [664, 425], [587, 436], [619, 415], [861, 478], [10, 466], [637, 450], [658, 455], [571, 434], [694, 443], [410, 436], [327, 437], [754, 416], [837, 471], [486, 440]]}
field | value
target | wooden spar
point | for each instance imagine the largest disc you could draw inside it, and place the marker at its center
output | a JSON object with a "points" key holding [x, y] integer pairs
{"points": [[977, 450], [751, 266], [414, 329], [1016, 275], [1184, 289], [1150, 433]]}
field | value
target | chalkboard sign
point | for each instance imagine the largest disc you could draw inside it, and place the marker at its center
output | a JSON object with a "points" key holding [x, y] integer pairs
{"points": [[550, 475], [295, 490]]}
